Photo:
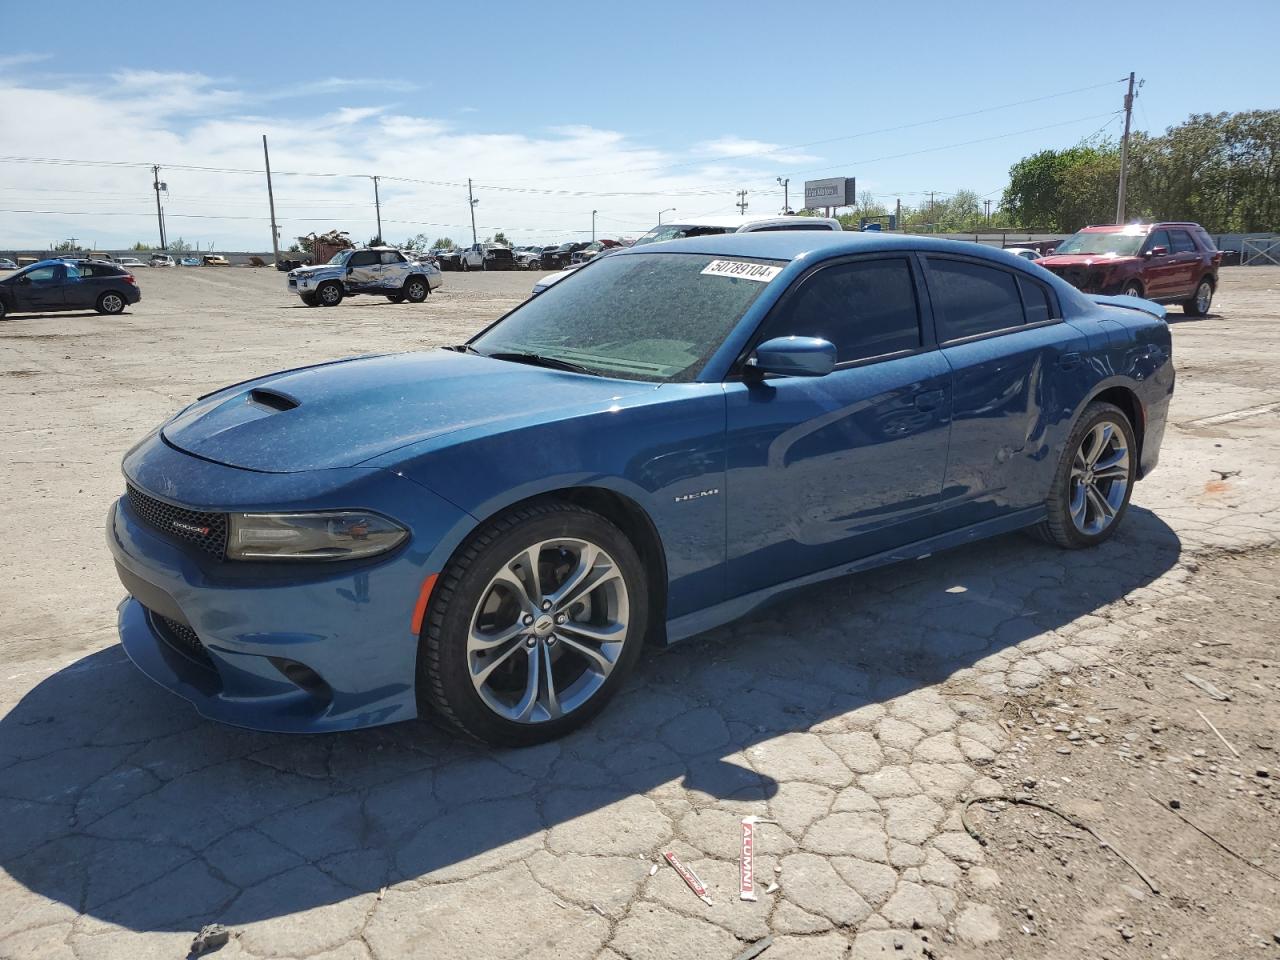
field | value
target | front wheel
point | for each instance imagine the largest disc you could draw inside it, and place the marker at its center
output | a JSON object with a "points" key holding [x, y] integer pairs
{"points": [[1131, 290], [1198, 306], [533, 625], [110, 303], [309, 299], [466, 266], [329, 294], [1094, 480], [396, 297]]}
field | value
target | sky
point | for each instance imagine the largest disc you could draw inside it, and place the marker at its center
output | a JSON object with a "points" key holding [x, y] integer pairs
{"points": [[621, 108]]}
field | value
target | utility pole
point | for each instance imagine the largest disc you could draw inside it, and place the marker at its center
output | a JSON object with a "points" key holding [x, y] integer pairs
{"points": [[271, 199], [661, 212], [593, 225], [155, 173], [742, 202], [1124, 151], [377, 206], [786, 202], [897, 218], [987, 204], [472, 201], [933, 227]]}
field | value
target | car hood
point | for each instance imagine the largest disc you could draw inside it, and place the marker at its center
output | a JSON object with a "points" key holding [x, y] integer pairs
{"points": [[343, 413], [313, 268], [1085, 260]]}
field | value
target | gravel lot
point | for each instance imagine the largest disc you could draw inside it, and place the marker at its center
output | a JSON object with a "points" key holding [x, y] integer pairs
{"points": [[860, 715]]}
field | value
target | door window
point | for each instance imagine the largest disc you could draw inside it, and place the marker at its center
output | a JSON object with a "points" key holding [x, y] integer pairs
{"points": [[970, 299], [390, 256], [363, 258], [1158, 239], [867, 308], [42, 274], [1182, 242], [73, 272]]}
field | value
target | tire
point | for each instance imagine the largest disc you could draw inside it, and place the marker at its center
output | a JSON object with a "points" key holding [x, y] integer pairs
{"points": [[1198, 305], [1078, 518], [329, 293], [479, 585], [466, 266], [110, 303], [534, 265], [1132, 289], [416, 289], [3, 310], [396, 297], [309, 299]]}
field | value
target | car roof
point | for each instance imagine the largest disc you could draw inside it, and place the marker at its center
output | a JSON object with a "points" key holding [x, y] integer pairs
{"points": [[814, 244], [1138, 227]]}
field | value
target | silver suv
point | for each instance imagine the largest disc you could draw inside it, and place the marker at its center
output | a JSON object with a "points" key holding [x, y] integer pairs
{"points": [[380, 270]]}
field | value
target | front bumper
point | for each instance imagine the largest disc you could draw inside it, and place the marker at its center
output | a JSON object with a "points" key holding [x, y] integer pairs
{"points": [[302, 648]]}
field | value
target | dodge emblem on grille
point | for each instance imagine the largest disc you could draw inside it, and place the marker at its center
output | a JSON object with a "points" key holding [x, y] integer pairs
{"points": [[185, 527]]}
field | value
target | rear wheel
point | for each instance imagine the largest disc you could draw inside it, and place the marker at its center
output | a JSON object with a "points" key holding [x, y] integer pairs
{"points": [[110, 302], [533, 625], [2, 310], [1198, 306], [415, 290], [329, 294], [1094, 480]]}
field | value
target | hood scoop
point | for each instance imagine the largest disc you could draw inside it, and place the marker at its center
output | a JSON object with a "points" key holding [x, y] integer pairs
{"points": [[272, 399]]}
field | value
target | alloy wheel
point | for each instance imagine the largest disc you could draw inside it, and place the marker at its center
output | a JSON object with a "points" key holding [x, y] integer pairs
{"points": [[1099, 478], [417, 291], [548, 630], [1204, 296], [112, 303]]}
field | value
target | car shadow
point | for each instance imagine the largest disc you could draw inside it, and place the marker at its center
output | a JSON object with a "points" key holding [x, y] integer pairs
{"points": [[1180, 317], [59, 314], [121, 803]]}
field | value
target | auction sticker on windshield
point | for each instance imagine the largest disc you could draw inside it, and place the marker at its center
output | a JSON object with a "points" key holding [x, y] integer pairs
{"points": [[742, 270]]}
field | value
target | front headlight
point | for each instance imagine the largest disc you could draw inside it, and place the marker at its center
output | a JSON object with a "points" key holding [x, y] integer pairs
{"points": [[336, 535]]}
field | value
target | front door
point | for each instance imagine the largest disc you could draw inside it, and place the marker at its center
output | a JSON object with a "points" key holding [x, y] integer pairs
{"points": [[364, 270], [826, 470], [41, 288], [1161, 272]]}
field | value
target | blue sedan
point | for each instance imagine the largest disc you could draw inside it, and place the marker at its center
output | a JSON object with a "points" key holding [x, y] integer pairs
{"points": [[663, 442]]}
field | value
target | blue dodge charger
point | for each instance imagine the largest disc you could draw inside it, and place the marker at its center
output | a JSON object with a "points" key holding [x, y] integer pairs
{"points": [[668, 439]]}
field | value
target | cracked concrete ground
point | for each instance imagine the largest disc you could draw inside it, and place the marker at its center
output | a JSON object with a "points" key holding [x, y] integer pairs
{"points": [[859, 715]]}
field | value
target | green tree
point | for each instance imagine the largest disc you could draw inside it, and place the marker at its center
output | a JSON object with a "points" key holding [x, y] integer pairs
{"points": [[1064, 190], [501, 238], [140, 247], [443, 243]]}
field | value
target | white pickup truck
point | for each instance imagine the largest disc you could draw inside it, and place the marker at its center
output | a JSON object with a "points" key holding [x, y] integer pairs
{"points": [[486, 256]]}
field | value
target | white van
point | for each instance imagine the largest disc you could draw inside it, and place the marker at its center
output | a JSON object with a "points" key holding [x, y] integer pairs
{"points": [[707, 227]]}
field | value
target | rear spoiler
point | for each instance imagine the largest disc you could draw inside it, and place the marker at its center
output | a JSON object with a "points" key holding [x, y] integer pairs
{"points": [[1131, 303]]}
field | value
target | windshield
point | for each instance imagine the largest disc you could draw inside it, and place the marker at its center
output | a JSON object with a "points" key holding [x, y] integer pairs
{"points": [[655, 317], [340, 258], [1120, 244], [678, 231]]}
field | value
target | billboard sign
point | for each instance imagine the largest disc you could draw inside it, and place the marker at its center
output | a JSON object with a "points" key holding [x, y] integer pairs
{"points": [[831, 192]]}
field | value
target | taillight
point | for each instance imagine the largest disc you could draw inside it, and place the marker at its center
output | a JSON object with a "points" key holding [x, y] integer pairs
{"points": [[128, 278]]}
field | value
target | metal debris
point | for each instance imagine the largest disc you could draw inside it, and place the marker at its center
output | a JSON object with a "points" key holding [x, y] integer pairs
{"points": [[212, 936], [757, 948]]}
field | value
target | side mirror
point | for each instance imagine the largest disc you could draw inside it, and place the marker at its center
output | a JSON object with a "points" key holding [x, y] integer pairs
{"points": [[795, 357], [1157, 251]]}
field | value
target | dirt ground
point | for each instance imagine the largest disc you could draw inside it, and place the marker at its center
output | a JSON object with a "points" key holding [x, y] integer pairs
{"points": [[863, 715]]}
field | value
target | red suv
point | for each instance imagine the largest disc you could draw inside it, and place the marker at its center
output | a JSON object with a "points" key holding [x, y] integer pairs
{"points": [[1165, 262]]}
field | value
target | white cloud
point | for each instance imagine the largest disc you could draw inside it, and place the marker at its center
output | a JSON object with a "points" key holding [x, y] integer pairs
{"points": [[740, 147], [11, 60], [534, 185]]}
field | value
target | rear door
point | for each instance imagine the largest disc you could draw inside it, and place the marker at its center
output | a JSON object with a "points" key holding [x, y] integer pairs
{"points": [[825, 470], [364, 269], [1012, 357], [393, 269]]}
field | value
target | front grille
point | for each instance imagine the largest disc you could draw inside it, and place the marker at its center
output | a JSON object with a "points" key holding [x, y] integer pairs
{"points": [[182, 638], [205, 531]]}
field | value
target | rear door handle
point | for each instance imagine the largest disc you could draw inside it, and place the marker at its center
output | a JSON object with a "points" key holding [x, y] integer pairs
{"points": [[1069, 361], [929, 399]]}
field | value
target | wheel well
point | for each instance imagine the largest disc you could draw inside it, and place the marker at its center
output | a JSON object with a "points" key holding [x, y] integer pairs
{"points": [[1127, 401], [629, 517], [1142, 287]]}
